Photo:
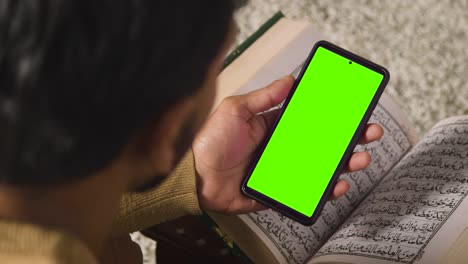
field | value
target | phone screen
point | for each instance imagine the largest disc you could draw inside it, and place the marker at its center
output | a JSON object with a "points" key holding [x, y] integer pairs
{"points": [[314, 131]]}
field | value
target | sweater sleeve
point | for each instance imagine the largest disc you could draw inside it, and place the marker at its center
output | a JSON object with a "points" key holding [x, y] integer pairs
{"points": [[175, 197]]}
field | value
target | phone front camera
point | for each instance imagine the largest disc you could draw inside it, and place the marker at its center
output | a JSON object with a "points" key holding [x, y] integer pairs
{"points": [[350, 62]]}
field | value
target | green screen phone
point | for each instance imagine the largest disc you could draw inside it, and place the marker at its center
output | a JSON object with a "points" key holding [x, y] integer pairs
{"points": [[321, 121]]}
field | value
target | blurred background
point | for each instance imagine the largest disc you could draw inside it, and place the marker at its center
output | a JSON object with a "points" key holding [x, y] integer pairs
{"points": [[423, 43]]}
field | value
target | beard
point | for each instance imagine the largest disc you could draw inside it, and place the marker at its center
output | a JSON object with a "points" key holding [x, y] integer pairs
{"points": [[182, 144]]}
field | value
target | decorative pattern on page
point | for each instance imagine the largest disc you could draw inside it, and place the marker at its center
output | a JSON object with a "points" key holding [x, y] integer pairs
{"points": [[401, 216], [297, 243]]}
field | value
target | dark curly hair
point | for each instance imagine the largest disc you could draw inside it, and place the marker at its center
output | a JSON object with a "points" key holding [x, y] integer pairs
{"points": [[78, 78]]}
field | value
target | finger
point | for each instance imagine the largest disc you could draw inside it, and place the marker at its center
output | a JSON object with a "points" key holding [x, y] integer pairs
{"points": [[268, 118], [340, 189], [268, 97], [358, 161], [373, 132], [244, 206], [256, 206]]}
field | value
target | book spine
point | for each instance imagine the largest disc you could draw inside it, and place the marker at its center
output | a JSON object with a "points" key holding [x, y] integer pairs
{"points": [[235, 250], [250, 40]]}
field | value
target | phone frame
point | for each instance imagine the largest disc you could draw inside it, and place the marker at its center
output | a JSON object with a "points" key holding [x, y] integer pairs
{"points": [[288, 211]]}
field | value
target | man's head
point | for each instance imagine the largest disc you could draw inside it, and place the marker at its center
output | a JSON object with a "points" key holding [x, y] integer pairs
{"points": [[86, 85]]}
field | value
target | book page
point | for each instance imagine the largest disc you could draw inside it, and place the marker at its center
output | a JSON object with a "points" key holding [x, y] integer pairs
{"points": [[293, 243], [290, 242], [417, 211], [265, 60]]}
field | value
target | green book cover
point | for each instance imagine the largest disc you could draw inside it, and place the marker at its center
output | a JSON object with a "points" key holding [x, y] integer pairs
{"points": [[250, 40], [235, 250]]}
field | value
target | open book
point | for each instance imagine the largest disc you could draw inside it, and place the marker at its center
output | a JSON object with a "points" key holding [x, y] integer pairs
{"points": [[408, 206]]}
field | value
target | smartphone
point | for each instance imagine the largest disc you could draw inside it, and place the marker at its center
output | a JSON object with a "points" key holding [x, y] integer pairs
{"points": [[296, 167]]}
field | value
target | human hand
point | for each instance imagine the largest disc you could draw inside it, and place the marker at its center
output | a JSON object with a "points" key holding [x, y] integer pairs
{"points": [[224, 147]]}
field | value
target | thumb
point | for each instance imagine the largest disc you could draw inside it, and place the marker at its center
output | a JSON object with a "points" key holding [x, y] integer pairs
{"points": [[268, 97]]}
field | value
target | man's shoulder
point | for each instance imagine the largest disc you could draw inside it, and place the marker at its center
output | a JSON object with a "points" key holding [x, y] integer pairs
{"points": [[18, 259], [29, 243]]}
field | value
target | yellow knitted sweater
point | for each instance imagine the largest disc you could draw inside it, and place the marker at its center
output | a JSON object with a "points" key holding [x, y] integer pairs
{"points": [[29, 243]]}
